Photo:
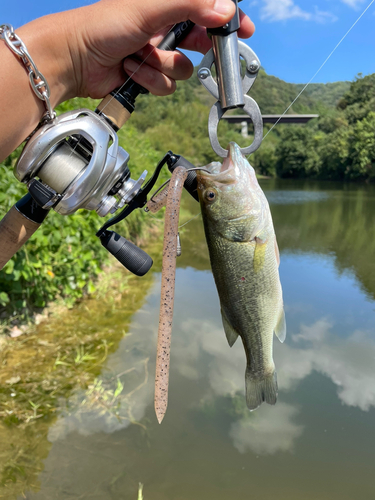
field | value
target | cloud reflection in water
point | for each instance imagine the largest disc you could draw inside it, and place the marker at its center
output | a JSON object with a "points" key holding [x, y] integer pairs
{"points": [[200, 353]]}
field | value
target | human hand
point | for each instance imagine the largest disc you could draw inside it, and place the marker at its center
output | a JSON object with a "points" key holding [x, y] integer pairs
{"points": [[81, 54], [102, 35]]}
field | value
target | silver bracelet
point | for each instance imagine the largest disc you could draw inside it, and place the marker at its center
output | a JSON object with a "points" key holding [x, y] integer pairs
{"points": [[37, 81]]}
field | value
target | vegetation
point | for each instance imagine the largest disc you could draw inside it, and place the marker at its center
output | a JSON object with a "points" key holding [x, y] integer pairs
{"points": [[340, 145]]}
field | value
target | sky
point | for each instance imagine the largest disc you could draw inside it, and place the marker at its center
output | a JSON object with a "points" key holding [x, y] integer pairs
{"points": [[293, 37]]}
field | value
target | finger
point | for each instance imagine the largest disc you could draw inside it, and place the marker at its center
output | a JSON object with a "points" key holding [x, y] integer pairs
{"points": [[172, 63], [199, 41], [153, 80], [247, 28]]}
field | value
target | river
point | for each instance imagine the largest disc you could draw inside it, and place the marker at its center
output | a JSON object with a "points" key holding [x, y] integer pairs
{"points": [[318, 442]]}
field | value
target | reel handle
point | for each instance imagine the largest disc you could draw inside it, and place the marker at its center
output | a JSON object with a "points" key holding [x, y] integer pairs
{"points": [[18, 225], [133, 258]]}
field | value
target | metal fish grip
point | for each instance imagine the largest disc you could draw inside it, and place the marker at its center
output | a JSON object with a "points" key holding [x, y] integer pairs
{"points": [[223, 57]]}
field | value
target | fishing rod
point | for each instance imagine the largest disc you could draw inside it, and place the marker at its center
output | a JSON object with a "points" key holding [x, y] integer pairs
{"points": [[74, 161]]}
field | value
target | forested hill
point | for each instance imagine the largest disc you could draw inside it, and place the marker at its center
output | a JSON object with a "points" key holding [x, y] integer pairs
{"points": [[274, 95]]}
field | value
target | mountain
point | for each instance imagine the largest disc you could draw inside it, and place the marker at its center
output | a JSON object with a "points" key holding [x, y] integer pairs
{"points": [[274, 95]]}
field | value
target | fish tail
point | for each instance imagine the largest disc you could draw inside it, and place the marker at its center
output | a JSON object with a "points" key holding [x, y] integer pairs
{"points": [[259, 390]]}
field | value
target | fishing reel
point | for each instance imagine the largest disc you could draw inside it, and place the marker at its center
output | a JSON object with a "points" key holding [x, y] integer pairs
{"points": [[76, 162]]}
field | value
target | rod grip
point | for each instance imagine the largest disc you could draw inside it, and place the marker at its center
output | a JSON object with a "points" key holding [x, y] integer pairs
{"points": [[15, 230], [18, 225]]}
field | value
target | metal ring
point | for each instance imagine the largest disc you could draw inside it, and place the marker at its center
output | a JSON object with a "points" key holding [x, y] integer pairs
{"points": [[252, 109]]}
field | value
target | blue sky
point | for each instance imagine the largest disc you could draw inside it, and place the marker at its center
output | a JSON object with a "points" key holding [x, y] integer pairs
{"points": [[292, 39]]}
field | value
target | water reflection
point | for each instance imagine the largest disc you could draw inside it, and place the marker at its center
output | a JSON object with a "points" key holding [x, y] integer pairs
{"points": [[209, 445], [349, 363], [271, 430]]}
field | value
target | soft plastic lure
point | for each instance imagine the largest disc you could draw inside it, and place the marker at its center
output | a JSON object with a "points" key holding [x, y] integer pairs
{"points": [[174, 191]]}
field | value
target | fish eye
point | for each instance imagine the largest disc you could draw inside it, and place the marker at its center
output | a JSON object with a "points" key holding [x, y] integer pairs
{"points": [[210, 195]]}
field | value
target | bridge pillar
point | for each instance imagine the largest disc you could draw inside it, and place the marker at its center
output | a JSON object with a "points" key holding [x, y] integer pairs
{"points": [[244, 130]]}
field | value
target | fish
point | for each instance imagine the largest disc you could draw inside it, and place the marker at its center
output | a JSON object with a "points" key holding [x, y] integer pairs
{"points": [[245, 260]]}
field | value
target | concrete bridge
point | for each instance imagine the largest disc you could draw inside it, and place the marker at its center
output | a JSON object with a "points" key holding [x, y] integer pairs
{"points": [[286, 119]]}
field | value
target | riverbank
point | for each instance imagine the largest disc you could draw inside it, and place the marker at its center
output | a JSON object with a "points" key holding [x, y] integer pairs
{"points": [[64, 353]]}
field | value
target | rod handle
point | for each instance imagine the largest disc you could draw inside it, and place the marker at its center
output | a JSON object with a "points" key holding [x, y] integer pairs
{"points": [[18, 225]]}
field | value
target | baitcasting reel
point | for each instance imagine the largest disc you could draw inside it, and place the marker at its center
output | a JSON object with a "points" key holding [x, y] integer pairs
{"points": [[75, 162]]}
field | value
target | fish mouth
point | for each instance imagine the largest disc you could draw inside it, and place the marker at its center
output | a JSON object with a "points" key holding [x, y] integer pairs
{"points": [[229, 162], [225, 172]]}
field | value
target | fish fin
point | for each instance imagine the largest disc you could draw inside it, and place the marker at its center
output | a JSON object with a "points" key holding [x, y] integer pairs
{"points": [[259, 390], [277, 252], [280, 329], [230, 332], [259, 254]]}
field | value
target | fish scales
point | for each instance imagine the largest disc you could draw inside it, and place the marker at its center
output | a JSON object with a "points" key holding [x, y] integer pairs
{"points": [[244, 260]]}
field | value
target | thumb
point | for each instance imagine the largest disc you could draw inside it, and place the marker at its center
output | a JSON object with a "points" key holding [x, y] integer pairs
{"points": [[155, 16]]}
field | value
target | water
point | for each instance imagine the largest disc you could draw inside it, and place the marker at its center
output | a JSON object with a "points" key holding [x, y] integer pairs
{"points": [[316, 443]]}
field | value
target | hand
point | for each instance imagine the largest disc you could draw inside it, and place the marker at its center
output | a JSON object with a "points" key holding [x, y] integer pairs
{"points": [[81, 53], [105, 33]]}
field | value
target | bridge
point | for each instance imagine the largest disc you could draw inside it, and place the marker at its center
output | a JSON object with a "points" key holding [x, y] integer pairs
{"points": [[286, 119]]}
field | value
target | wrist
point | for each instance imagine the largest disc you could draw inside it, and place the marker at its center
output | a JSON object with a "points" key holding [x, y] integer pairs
{"points": [[46, 40]]}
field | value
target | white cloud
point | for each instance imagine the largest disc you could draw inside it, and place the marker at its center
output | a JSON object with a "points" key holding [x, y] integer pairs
{"points": [[349, 363], [355, 4], [269, 430], [281, 10]]}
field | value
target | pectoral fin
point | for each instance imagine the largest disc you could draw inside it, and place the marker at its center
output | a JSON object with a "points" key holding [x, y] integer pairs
{"points": [[280, 329], [230, 332], [259, 254]]}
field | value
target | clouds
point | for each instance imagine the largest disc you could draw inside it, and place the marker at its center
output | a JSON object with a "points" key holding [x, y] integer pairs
{"points": [[283, 10], [271, 429], [280, 10], [201, 358], [355, 4]]}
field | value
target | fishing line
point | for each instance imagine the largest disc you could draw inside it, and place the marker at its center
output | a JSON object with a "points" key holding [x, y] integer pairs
{"points": [[195, 216], [179, 227], [324, 63], [129, 78]]}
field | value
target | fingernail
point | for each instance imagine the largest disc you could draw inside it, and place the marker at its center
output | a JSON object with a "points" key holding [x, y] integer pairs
{"points": [[223, 6], [140, 54], [131, 65]]}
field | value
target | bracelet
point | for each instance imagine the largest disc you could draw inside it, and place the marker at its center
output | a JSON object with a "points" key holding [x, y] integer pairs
{"points": [[37, 81]]}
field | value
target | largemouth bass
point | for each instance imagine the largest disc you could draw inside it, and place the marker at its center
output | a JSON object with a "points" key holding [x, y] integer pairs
{"points": [[245, 263]]}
